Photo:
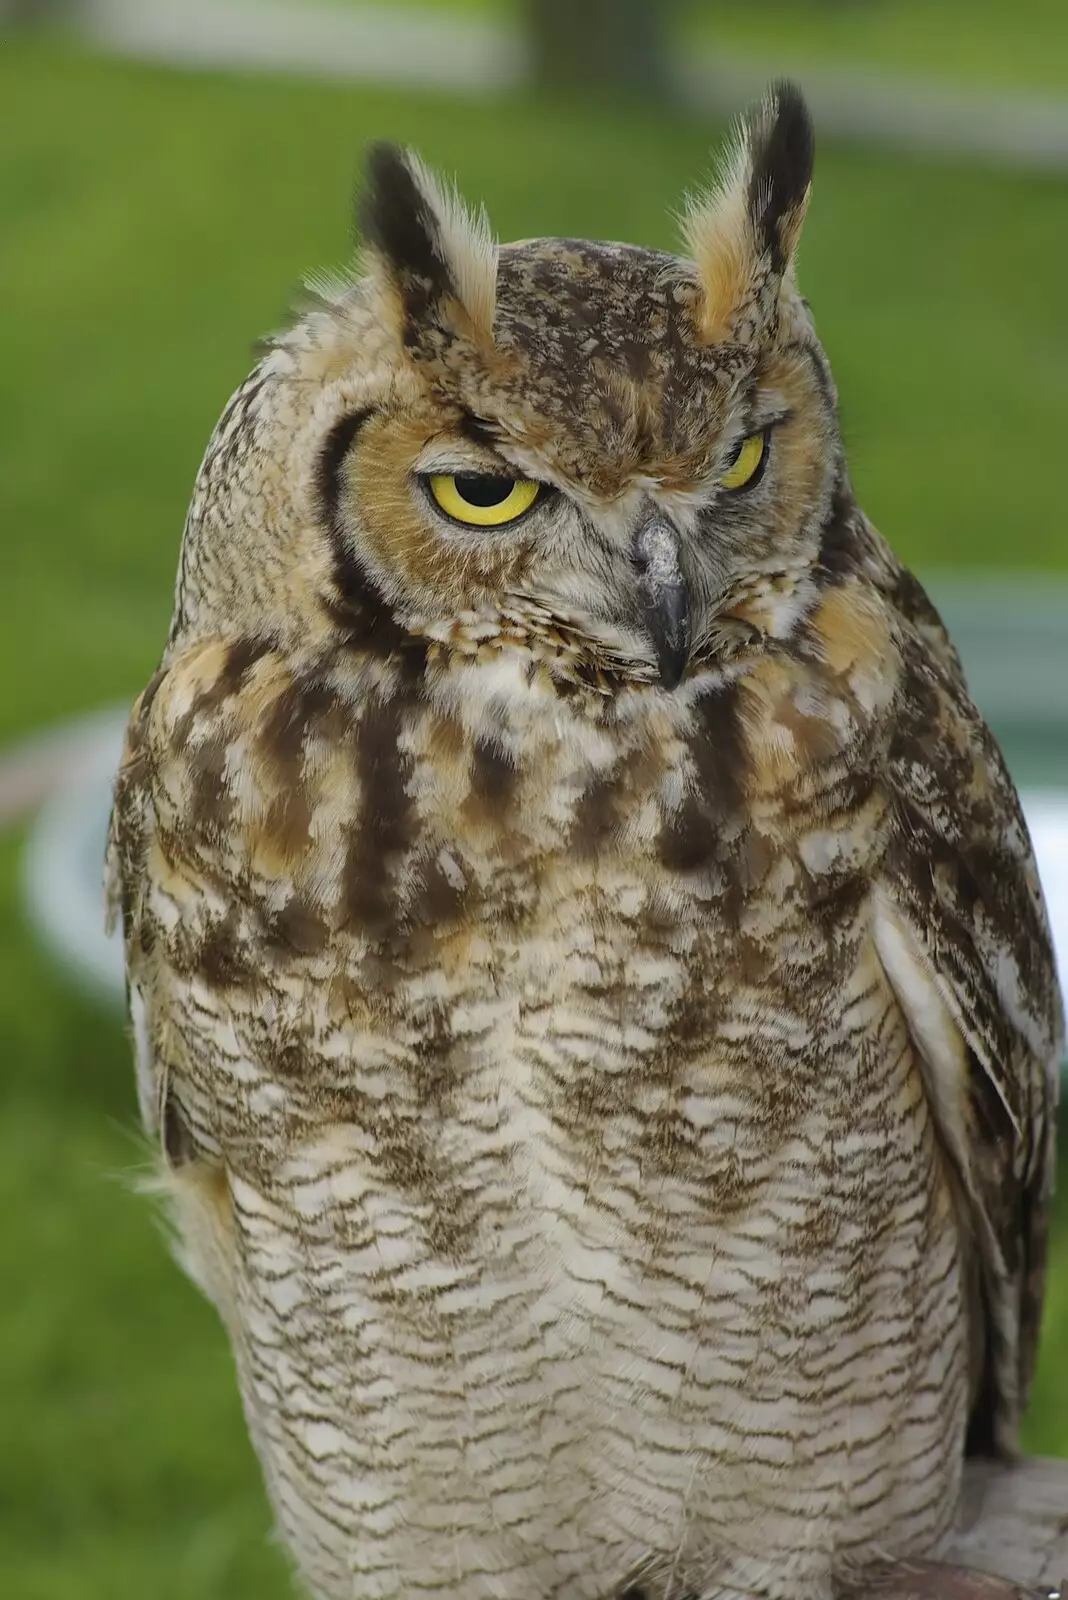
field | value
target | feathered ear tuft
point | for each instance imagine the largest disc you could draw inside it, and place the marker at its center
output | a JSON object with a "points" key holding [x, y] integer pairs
{"points": [[441, 257], [782, 154], [743, 234]]}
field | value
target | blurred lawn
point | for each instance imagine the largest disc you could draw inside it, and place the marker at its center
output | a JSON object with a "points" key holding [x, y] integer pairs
{"points": [[988, 43], [152, 225]]}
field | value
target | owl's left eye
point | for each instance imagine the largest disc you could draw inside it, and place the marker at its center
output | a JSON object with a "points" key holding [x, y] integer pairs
{"points": [[483, 499], [747, 463]]}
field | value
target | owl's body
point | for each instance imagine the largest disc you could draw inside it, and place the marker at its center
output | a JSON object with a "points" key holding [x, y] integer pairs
{"points": [[590, 979]]}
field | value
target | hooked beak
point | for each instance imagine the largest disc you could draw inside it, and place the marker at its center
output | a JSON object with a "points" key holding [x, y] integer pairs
{"points": [[665, 599]]}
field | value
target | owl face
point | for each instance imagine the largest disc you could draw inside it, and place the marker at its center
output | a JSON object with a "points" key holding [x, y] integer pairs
{"points": [[624, 450]]}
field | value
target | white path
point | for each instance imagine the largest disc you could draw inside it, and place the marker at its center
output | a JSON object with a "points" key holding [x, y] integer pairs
{"points": [[386, 43]]}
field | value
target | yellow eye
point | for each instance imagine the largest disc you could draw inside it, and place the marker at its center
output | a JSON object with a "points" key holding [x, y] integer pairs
{"points": [[483, 499], [746, 464]]}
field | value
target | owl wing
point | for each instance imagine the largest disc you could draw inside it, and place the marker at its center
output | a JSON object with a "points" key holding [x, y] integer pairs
{"points": [[962, 932], [129, 830]]}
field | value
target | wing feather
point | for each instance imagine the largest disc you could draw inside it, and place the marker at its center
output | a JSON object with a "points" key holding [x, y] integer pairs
{"points": [[963, 934]]}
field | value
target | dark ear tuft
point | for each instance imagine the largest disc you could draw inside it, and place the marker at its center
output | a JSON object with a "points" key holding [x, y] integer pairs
{"points": [[782, 154], [395, 217], [440, 257], [743, 232]]}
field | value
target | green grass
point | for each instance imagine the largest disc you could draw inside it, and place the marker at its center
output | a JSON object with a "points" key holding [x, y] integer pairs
{"points": [[971, 43], [152, 226]]}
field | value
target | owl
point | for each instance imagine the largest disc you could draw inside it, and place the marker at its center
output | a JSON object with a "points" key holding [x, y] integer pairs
{"points": [[590, 984]]}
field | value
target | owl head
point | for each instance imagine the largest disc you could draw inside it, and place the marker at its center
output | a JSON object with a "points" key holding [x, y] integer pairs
{"points": [[613, 456]]}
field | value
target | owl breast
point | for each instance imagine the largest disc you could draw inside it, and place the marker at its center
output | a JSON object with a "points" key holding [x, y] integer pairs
{"points": [[583, 1215]]}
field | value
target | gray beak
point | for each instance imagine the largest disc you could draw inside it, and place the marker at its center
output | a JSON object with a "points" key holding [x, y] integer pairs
{"points": [[665, 599]]}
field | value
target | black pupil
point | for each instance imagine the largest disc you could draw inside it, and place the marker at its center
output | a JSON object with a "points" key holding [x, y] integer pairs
{"points": [[483, 488]]}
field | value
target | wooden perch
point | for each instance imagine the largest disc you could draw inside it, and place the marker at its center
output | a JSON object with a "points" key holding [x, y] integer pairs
{"points": [[1012, 1542]]}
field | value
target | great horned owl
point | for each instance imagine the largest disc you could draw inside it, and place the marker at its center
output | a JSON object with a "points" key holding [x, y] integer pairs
{"points": [[590, 981]]}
